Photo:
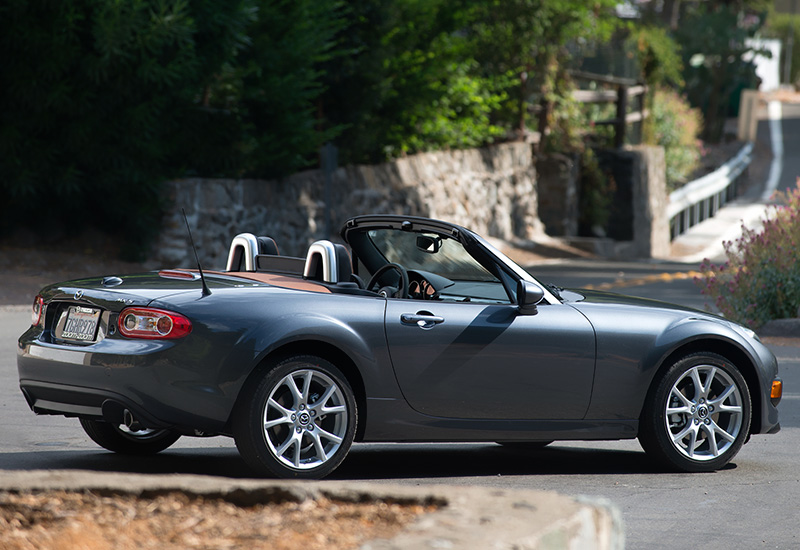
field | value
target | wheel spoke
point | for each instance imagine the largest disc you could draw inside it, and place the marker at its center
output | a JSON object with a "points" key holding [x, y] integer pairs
{"points": [[692, 446], [291, 440], [315, 437], [277, 422], [290, 383], [709, 380], [680, 436], [698, 384], [329, 436], [321, 404], [711, 437], [725, 435], [283, 410], [719, 403], [307, 377], [686, 408], [734, 409], [298, 446]]}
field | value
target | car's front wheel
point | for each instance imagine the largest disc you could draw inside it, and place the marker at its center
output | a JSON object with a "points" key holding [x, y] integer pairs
{"points": [[298, 421], [698, 415], [120, 439]]}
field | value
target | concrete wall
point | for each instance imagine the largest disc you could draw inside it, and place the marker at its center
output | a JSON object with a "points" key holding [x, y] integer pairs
{"points": [[638, 226], [557, 187], [490, 190], [645, 185]]}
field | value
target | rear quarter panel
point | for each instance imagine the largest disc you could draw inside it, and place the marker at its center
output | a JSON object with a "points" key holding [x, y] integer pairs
{"points": [[235, 330]]}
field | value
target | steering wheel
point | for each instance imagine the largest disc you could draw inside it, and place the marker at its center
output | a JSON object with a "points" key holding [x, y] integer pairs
{"points": [[403, 291]]}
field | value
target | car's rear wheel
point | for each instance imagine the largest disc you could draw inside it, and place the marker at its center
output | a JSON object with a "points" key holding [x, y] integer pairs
{"points": [[698, 415], [298, 421], [120, 439]]}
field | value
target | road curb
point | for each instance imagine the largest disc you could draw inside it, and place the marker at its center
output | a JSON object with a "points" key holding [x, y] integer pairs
{"points": [[780, 328], [467, 517]]}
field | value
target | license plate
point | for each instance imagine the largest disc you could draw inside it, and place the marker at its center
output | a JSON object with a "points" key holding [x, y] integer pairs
{"points": [[81, 324]]}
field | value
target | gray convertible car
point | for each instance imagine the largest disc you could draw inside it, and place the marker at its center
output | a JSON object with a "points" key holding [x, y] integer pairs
{"points": [[417, 330]]}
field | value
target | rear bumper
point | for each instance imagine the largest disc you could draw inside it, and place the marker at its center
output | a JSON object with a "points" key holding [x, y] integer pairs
{"points": [[104, 380], [72, 401]]}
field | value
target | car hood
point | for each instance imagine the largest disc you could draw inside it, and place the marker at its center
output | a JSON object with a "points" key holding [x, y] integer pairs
{"points": [[576, 297], [572, 295]]}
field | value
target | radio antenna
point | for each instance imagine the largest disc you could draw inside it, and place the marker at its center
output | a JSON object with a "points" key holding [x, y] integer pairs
{"points": [[206, 290]]}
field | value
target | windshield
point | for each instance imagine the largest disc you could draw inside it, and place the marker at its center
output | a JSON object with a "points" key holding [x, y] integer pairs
{"points": [[448, 259]]}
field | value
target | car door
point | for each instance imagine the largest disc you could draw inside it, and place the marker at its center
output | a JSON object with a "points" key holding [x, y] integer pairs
{"points": [[487, 361]]}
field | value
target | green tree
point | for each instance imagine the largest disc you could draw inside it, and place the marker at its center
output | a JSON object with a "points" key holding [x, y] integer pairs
{"points": [[407, 82], [270, 93], [713, 38], [95, 97], [529, 38]]}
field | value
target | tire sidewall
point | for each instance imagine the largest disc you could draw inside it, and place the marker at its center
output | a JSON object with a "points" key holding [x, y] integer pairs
{"points": [[251, 440], [112, 438], [654, 435]]}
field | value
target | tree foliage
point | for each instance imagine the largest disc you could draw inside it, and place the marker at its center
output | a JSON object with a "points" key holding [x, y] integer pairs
{"points": [[714, 44], [105, 99], [94, 99]]}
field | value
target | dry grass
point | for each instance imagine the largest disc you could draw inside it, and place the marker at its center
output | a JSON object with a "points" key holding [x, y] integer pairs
{"points": [[84, 521]]}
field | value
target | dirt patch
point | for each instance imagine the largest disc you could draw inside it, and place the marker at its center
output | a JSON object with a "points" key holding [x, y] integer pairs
{"points": [[63, 520]]}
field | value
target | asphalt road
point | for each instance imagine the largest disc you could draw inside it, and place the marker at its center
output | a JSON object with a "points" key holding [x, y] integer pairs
{"points": [[790, 127], [751, 504]]}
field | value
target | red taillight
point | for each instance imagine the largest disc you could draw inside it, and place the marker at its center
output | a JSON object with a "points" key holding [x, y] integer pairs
{"points": [[37, 311], [145, 322]]}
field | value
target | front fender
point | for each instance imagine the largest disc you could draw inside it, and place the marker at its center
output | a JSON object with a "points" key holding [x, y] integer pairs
{"points": [[635, 344]]}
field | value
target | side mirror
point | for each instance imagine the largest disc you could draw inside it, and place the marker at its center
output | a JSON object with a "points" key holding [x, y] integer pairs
{"points": [[429, 243], [528, 296]]}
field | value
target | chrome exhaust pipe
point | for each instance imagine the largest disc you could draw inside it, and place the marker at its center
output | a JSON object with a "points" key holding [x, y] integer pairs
{"points": [[130, 422]]}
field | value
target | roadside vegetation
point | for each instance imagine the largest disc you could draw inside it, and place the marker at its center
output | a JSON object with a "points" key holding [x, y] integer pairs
{"points": [[104, 100], [760, 280]]}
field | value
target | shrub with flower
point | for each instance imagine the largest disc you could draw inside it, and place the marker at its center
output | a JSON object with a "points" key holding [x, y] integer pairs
{"points": [[760, 280]]}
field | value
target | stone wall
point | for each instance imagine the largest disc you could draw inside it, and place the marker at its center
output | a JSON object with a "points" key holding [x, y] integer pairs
{"points": [[490, 190]]}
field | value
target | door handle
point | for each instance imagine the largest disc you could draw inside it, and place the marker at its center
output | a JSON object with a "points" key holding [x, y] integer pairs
{"points": [[422, 320]]}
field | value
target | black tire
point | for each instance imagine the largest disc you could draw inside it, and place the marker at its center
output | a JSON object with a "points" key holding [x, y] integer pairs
{"points": [[311, 427], [525, 445], [120, 439], [697, 416]]}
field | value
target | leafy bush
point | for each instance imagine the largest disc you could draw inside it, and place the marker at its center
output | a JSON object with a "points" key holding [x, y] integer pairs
{"points": [[676, 126], [760, 280]]}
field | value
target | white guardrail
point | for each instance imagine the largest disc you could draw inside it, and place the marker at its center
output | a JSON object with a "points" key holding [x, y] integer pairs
{"points": [[700, 199]]}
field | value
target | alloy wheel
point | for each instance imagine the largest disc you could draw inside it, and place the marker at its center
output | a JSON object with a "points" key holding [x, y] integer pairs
{"points": [[704, 413], [305, 419]]}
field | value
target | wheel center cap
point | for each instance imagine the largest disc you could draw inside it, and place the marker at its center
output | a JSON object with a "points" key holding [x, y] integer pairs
{"points": [[702, 412], [304, 418]]}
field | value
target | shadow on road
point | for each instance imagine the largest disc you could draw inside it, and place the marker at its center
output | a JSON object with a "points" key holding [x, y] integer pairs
{"points": [[365, 462]]}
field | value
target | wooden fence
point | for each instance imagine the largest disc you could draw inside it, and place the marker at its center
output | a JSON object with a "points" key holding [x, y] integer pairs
{"points": [[627, 94]]}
